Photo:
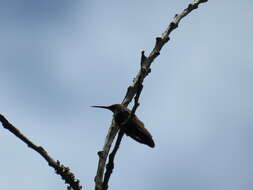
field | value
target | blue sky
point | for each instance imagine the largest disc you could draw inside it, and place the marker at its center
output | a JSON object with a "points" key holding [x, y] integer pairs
{"points": [[60, 57]]}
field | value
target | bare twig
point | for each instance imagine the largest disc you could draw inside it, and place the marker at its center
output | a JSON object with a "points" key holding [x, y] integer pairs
{"points": [[110, 165], [160, 41], [104, 153], [135, 89], [60, 169]]}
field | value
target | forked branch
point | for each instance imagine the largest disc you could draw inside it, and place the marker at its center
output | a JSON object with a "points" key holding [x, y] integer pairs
{"points": [[135, 89]]}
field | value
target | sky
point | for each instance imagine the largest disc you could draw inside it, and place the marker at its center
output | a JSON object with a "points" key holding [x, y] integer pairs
{"points": [[58, 58]]}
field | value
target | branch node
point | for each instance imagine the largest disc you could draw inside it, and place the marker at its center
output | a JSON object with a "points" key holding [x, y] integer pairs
{"points": [[156, 53], [41, 148], [101, 154], [173, 25], [166, 39], [159, 43], [192, 6], [143, 59]]}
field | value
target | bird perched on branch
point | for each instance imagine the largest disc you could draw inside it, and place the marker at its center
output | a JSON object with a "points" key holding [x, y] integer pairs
{"points": [[131, 125]]}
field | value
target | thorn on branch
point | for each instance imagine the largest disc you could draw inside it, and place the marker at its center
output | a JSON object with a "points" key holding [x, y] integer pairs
{"points": [[173, 25], [143, 59], [101, 154], [192, 6], [159, 41]]}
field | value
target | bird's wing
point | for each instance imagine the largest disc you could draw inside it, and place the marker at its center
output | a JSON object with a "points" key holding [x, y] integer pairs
{"points": [[140, 133]]}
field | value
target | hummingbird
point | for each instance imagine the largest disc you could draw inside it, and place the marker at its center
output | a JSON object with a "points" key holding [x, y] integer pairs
{"points": [[134, 127]]}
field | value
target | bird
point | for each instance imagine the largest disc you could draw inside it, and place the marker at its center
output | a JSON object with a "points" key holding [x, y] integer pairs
{"points": [[131, 126]]}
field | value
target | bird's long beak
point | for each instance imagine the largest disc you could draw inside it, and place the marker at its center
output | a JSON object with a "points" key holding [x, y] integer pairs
{"points": [[105, 107]]}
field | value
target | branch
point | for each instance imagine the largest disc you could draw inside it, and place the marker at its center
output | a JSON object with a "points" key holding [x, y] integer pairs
{"points": [[60, 169], [110, 165], [135, 89], [160, 42], [104, 153]]}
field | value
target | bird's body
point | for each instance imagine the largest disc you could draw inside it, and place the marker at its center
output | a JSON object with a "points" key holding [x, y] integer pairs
{"points": [[132, 126]]}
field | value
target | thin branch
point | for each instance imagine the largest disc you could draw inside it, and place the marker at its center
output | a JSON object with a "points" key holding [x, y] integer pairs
{"points": [[104, 153], [136, 100], [60, 169], [134, 89], [110, 165], [160, 42]]}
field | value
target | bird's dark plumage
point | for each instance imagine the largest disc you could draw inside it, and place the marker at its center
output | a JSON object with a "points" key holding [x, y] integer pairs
{"points": [[134, 127]]}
